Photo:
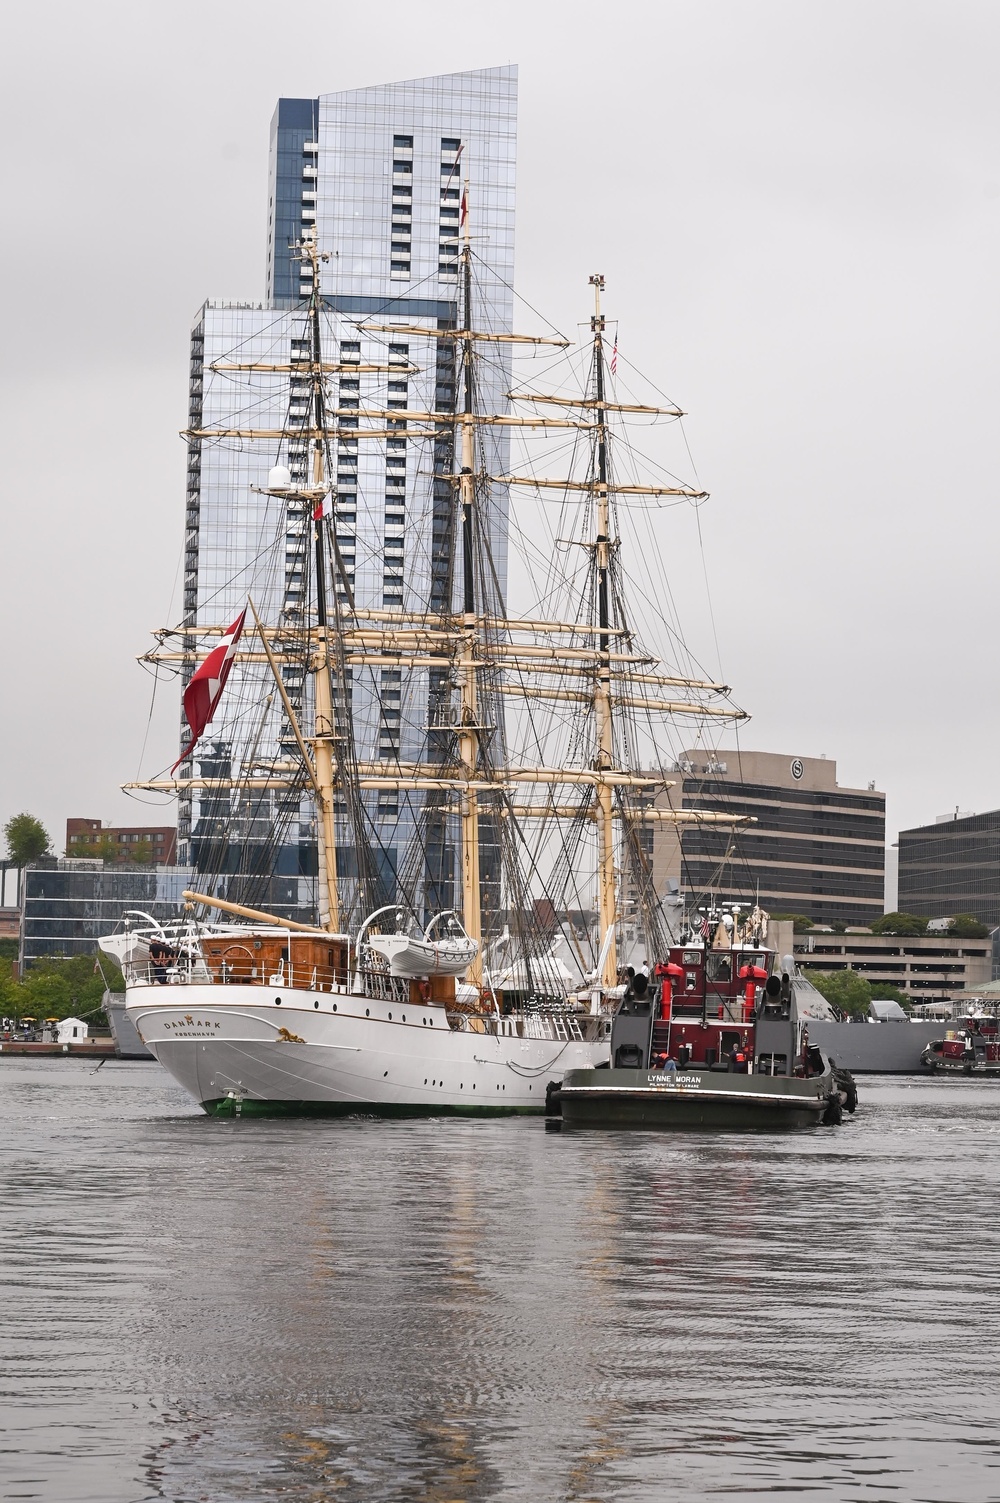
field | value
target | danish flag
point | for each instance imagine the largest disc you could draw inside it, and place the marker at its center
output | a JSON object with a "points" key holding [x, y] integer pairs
{"points": [[203, 693]]}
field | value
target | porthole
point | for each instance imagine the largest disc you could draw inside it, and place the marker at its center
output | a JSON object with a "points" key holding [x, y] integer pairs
{"points": [[384, 1074], [335, 1007], [368, 1012], [315, 1004], [431, 1021], [404, 1017], [425, 1080], [390, 1017], [277, 1001]]}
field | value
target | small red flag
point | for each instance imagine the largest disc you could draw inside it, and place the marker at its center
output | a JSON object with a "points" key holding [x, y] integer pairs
{"points": [[323, 508], [203, 693], [465, 208]]}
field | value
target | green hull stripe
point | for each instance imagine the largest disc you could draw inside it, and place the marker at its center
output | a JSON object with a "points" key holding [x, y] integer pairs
{"points": [[226, 1107]]}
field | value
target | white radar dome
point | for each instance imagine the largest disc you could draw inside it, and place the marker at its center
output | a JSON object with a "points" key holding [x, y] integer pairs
{"points": [[279, 479]]}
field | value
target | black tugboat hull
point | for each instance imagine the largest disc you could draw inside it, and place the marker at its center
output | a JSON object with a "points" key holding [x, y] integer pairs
{"points": [[696, 1099], [983, 1069]]}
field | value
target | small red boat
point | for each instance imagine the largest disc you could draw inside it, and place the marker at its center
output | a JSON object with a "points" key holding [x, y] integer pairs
{"points": [[972, 1047]]}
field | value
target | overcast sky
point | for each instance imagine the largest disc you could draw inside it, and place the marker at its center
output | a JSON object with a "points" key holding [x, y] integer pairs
{"points": [[797, 209]]}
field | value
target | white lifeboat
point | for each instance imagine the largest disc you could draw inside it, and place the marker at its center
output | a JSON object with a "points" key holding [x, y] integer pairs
{"points": [[427, 954], [412, 955]]}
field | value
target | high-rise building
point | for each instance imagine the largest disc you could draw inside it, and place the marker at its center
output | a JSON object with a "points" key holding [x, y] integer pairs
{"points": [[814, 848], [952, 866], [380, 172]]}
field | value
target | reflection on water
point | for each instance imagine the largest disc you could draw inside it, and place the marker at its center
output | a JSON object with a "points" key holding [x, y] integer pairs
{"points": [[448, 1310]]}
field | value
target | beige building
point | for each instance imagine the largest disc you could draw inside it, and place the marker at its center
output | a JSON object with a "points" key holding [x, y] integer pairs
{"points": [[815, 848], [927, 967]]}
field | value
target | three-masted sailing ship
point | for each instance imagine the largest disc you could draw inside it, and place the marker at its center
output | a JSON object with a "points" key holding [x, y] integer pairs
{"points": [[535, 762]]}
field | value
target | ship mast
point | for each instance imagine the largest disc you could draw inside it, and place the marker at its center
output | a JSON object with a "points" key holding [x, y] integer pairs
{"points": [[606, 901], [323, 730], [468, 733], [601, 670]]}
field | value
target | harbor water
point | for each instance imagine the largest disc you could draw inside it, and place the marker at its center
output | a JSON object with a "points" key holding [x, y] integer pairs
{"points": [[199, 1309]]}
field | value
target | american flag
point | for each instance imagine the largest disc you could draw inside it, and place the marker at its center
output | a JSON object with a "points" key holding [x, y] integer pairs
{"points": [[614, 357]]}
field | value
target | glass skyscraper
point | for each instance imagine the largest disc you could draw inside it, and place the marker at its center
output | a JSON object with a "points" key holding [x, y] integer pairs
{"points": [[380, 172]]}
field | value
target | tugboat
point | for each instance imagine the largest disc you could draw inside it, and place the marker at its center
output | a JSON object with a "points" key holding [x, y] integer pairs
{"points": [[717, 1038], [971, 1049]]}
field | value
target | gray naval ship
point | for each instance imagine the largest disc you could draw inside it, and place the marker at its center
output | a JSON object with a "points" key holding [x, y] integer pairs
{"points": [[886, 1043], [127, 1041]]}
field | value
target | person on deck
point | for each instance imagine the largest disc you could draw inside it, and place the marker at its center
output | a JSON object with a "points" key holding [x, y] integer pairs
{"points": [[160, 956]]}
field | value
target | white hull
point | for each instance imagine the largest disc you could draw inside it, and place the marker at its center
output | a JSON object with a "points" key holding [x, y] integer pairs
{"points": [[238, 1048]]}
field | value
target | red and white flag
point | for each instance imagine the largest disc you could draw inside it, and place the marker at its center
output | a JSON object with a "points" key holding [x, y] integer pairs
{"points": [[323, 508], [465, 208], [203, 693], [614, 357]]}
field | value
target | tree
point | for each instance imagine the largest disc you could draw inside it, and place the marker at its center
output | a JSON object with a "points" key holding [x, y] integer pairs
{"points": [[899, 923], [844, 990], [60, 988], [967, 926], [800, 923], [884, 991], [27, 839], [141, 853], [101, 847], [104, 847]]}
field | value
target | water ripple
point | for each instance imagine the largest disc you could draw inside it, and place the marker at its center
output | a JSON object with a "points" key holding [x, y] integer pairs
{"points": [[446, 1310]]}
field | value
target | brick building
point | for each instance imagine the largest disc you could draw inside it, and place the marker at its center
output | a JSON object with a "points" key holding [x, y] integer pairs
{"points": [[154, 845]]}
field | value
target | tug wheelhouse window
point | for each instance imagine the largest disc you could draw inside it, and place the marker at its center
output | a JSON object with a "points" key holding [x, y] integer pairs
{"points": [[720, 967]]}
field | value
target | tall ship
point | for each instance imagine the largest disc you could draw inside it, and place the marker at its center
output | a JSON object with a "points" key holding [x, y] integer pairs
{"points": [[491, 954]]}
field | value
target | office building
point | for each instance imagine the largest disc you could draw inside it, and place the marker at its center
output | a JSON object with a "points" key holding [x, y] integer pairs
{"points": [[952, 866], [927, 967], [380, 173], [68, 903], [815, 848]]}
